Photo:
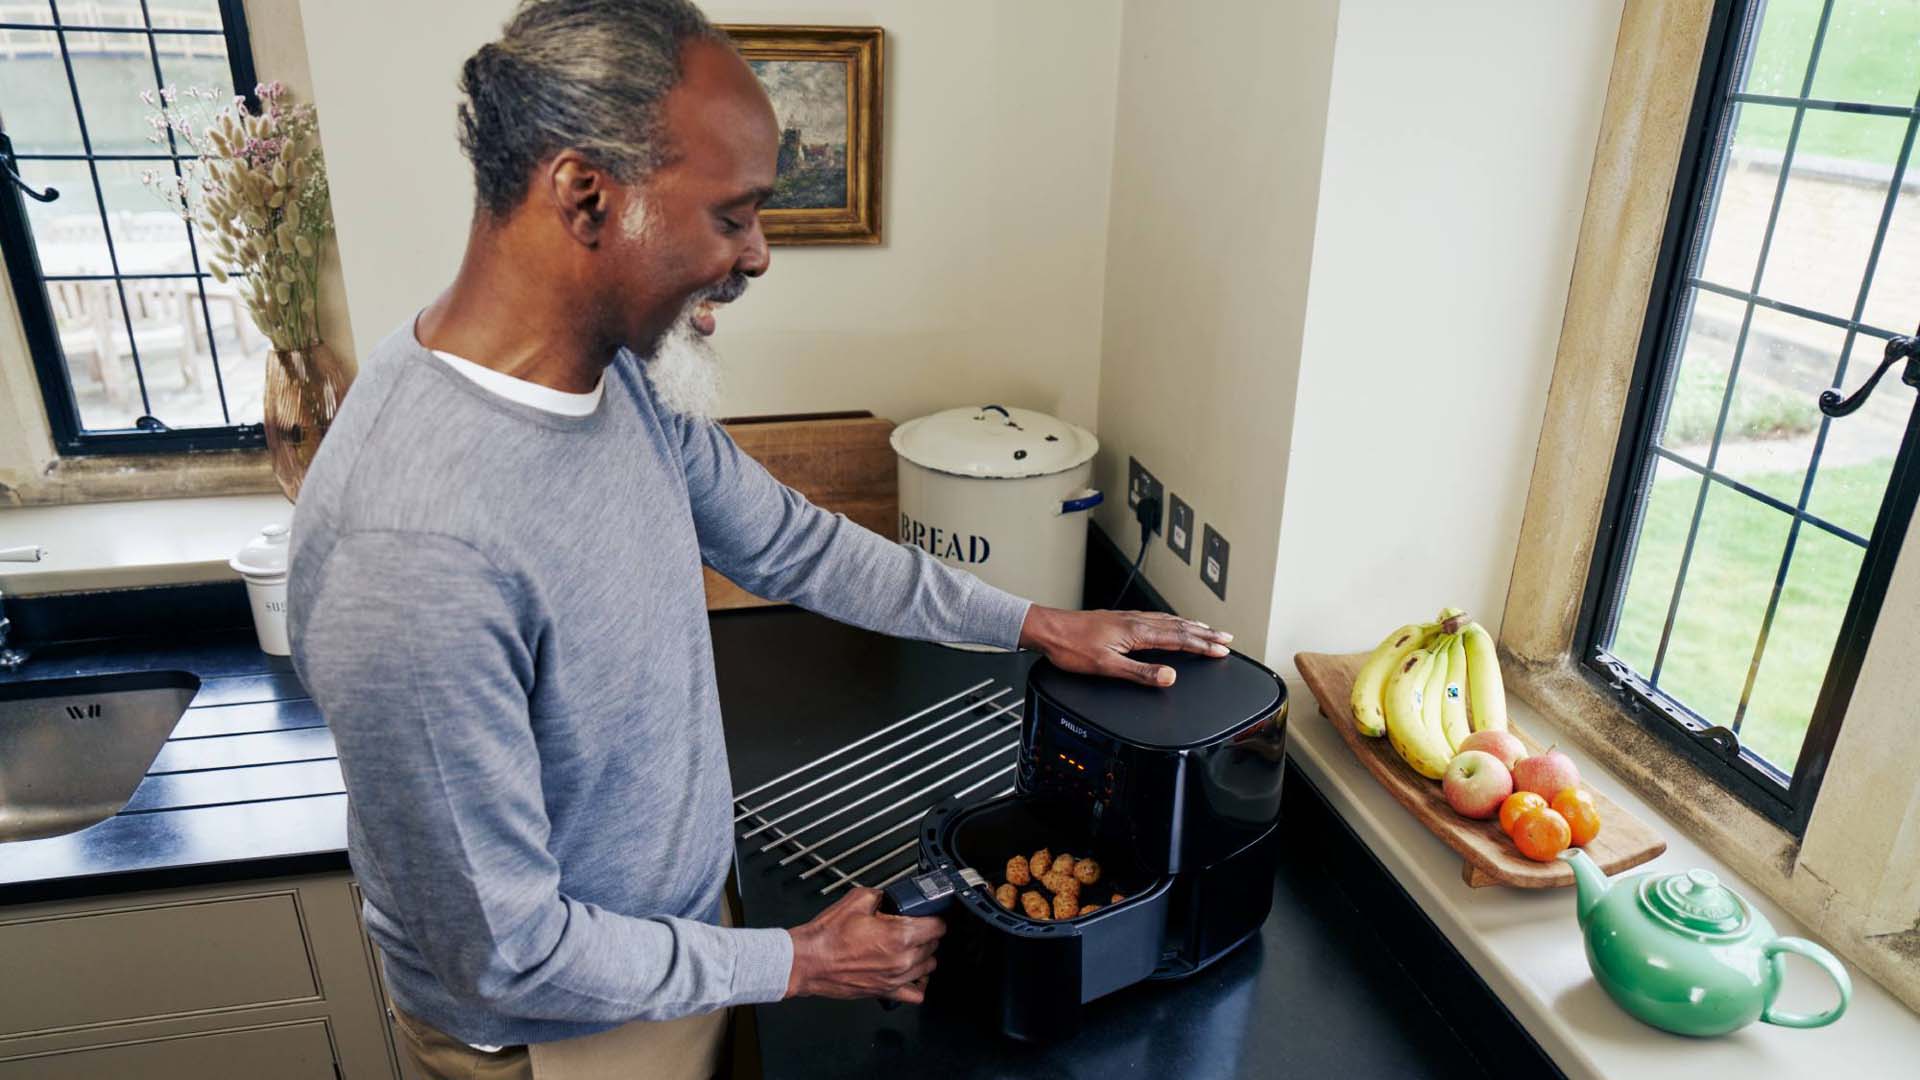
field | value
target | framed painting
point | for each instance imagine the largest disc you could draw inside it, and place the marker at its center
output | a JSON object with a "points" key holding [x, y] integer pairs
{"points": [[825, 82]]}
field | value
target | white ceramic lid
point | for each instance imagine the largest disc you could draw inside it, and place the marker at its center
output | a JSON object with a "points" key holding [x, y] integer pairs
{"points": [[265, 556], [991, 441]]}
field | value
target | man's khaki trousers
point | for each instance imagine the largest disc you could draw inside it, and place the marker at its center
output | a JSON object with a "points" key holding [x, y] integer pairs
{"points": [[683, 1049]]}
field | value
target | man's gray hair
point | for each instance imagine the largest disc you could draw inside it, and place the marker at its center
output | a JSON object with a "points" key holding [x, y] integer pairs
{"points": [[583, 74]]}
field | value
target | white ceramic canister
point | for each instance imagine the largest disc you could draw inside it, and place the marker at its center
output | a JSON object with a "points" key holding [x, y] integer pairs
{"points": [[263, 563], [1001, 493]]}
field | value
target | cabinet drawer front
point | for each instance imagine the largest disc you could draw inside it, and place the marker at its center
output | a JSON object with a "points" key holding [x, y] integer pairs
{"points": [[149, 961], [299, 1051]]}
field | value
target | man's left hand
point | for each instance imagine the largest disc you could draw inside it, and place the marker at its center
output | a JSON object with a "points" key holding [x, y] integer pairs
{"points": [[1098, 642]]}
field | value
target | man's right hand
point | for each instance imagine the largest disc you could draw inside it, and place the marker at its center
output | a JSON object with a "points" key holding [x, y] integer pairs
{"points": [[851, 950]]}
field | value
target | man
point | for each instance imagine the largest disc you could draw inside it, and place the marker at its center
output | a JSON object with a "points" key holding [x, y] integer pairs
{"points": [[496, 586]]}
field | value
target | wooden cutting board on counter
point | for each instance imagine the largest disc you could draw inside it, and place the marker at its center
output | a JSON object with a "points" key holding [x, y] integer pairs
{"points": [[840, 461], [1491, 859]]}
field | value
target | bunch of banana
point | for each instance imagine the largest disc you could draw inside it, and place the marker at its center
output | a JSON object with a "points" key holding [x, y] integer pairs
{"points": [[1427, 686]]}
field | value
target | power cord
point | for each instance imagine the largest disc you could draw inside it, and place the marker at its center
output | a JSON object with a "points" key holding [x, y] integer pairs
{"points": [[1147, 513]]}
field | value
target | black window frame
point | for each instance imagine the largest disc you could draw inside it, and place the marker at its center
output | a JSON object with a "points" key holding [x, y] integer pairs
{"points": [[1786, 801], [28, 281]]}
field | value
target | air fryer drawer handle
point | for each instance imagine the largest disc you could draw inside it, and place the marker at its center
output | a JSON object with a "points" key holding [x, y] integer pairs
{"points": [[927, 893]]}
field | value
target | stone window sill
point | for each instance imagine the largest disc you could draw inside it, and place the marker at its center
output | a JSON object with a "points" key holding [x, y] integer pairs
{"points": [[124, 545], [1527, 945], [1692, 804]]}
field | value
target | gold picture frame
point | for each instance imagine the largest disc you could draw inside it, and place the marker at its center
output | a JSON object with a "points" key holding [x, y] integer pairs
{"points": [[826, 83]]}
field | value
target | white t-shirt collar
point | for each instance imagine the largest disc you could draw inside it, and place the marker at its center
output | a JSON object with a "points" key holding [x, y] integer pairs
{"points": [[545, 398]]}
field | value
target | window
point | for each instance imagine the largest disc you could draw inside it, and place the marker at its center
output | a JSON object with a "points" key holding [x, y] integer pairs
{"points": [[136, 347], [1748, 537]]}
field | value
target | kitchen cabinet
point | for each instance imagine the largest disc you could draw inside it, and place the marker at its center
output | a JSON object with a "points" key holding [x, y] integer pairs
{"points": [[273, 977]]}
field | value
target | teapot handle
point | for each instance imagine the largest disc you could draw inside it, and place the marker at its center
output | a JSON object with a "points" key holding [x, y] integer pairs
{"points": [[1776, 970]]}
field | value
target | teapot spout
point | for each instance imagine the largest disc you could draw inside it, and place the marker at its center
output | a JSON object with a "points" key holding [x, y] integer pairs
{"points": [[1589, 884]]}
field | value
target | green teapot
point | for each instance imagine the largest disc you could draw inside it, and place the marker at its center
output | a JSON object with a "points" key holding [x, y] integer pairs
{"points": [[1687, 954]]}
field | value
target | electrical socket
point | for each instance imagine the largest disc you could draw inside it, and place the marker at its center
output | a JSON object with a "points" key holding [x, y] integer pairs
{"points": [[1142, 486], [1213, 561], [1180, 527]]}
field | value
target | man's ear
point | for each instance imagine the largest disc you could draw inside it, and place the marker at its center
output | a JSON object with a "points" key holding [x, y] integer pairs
{"points": [[580, 195]]}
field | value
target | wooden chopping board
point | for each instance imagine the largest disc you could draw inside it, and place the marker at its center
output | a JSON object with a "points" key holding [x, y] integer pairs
{"points": [[1491, 859], [839, 461]]}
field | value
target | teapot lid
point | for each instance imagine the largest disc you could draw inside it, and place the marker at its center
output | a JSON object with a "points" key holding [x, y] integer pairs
{"points": [[1695, 902]]}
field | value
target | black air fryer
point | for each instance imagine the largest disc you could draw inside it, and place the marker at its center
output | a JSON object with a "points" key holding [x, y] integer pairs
{"points": [[1175, 791]]}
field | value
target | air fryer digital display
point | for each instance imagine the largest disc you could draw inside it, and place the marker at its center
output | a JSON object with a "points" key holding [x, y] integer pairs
{"points": [[1068, 759]]}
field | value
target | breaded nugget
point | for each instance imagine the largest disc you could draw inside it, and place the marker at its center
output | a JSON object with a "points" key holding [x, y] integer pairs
{"points": [[1060, 884], [1006, 895], [1036, 906], [1065, 906], [1088, 909], [1115, 898], [1063, 863], [1086, 871], [1042, 860], [1017, 871]]}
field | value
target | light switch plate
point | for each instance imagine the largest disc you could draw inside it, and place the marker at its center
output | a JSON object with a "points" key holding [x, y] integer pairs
{"points": [[1142, 484], [1180, 527], [1213, 561]]}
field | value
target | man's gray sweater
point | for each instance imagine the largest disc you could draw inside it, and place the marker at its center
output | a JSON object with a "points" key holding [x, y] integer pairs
{"points": [[500, 612]]}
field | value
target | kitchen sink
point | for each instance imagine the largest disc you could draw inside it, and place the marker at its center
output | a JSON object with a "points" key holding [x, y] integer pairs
{"points": [[72, 751]]}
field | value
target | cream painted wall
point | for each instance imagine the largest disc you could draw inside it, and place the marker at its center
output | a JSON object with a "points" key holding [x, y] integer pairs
{"points": [[1363, 441], [998, 141], [1215, 175], [1460, 140]]}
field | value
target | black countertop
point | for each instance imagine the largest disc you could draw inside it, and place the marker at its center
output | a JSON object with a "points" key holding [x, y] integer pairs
{"points": [[247, 787]]}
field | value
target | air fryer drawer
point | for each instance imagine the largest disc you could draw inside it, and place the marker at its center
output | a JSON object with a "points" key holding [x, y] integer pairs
{"points": [[1037, 974]]}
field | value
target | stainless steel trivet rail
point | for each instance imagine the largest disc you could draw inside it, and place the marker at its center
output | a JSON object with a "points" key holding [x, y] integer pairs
{"points": [[855, 798]]}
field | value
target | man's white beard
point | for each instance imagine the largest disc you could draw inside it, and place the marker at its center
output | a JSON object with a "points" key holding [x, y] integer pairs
{"points": [[685, 370]]}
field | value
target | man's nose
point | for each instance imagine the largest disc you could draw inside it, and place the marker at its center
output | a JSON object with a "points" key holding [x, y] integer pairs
{"points": [[755, 258]]}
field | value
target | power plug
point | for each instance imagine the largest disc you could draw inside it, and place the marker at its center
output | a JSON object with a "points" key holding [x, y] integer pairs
{"points": [[1147, 512]]}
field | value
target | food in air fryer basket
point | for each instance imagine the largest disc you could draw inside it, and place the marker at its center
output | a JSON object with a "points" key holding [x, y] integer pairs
{"points": [[1060, 884], [1063, 876], [1041, 862], [1017, 871]]}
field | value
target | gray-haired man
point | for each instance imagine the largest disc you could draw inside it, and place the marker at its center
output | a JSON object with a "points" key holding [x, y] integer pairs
{"points": [[496, 583]]}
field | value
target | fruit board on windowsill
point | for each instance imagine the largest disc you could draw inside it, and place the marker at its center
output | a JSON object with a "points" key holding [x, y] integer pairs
{"points": [[1491, 857]]}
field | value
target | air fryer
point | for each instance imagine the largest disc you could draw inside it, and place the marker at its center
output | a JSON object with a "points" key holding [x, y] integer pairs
{"points": [[1174, 791]]}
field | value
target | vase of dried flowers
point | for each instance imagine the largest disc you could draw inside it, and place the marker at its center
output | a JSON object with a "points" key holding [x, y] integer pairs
{"points": [[255, 191]]}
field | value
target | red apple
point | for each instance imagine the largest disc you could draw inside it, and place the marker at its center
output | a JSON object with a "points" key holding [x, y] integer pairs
{"points": [[1546, 775], [1476, 783], [1504, 745]]}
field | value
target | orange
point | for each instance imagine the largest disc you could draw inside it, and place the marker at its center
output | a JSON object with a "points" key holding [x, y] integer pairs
{"points": [[1581, 812], [1541, 834], [1518, 803]]}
